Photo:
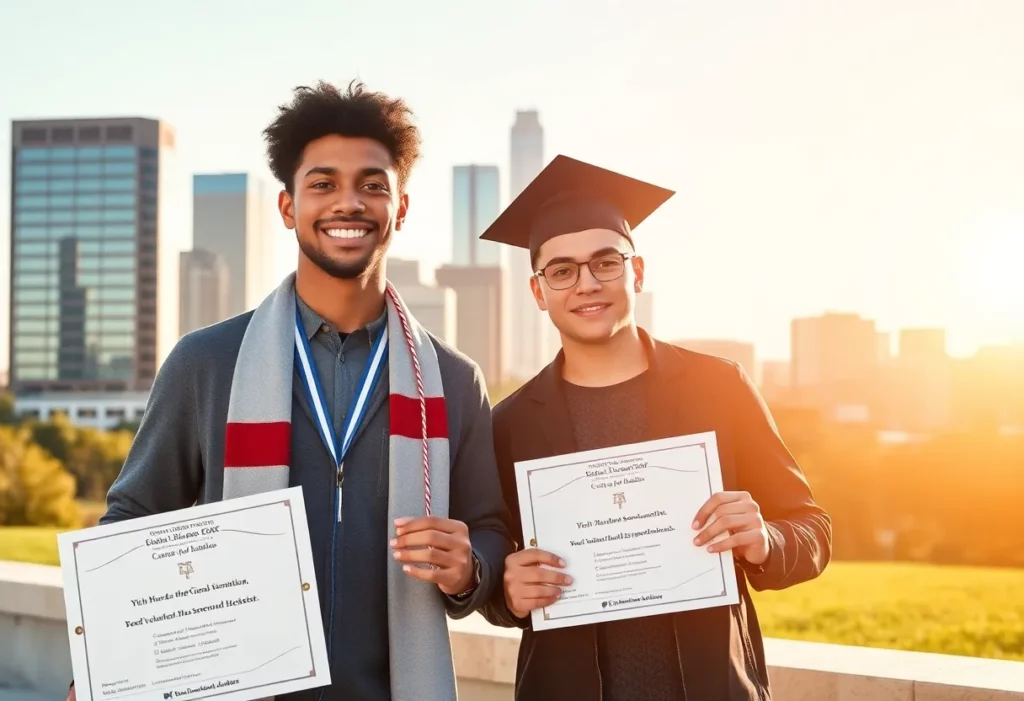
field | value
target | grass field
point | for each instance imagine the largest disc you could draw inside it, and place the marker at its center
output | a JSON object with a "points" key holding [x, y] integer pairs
{"points": [[38, 545], [954, 610]]}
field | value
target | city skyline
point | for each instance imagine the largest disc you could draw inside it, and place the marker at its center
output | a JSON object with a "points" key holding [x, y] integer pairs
{"points": [[855, 196]]}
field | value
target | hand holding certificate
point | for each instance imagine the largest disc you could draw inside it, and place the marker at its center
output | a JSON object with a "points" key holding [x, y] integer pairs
{"points": [[217, 600], [621, 521]]}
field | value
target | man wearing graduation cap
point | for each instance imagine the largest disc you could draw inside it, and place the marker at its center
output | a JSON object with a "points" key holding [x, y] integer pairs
{"points": [[612, 384]]}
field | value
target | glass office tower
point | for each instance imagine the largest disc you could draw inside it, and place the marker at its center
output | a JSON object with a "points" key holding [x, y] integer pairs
{"points": [[476, 203], [85, 253]]}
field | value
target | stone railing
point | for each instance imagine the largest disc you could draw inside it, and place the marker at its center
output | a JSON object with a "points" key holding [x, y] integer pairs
{"points": [[34, 658]]}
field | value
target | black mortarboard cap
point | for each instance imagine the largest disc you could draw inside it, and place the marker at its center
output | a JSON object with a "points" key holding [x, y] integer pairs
{"points": [[570, 195]]}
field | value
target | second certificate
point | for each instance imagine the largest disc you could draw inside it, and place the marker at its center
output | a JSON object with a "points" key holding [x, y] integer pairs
{"points": [[621, 519]]}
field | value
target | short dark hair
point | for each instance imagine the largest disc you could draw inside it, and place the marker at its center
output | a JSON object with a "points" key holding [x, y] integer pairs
{"points": [[324, 110]]}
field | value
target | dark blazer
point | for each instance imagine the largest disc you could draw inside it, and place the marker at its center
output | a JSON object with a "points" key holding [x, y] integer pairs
{"points": [[720, 650]]}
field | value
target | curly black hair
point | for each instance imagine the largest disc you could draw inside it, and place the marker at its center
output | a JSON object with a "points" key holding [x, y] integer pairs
{"points": [[323, 110]]}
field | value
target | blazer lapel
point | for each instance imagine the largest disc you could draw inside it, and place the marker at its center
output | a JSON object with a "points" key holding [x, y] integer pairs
{"points": [[669, 414], [549, 420], [676, 403]]}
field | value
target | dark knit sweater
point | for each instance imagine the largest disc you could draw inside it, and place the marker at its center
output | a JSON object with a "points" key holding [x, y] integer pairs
{"points": [[637, 657]]}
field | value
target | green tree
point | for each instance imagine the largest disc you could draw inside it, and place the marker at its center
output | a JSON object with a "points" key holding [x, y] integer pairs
{"points": [[95, 459], [56, 436], [35, 490], [7, 415]]}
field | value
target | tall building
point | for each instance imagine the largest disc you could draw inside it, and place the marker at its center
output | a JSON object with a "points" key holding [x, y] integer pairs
{"points": [[94, 288], [434, 306], [231, 217], [737, 351], [775, 380], [205, 290], [403, 272], [920, 385], [527, 156], [479, 299], [476, 203], [534, 339], [835, 365]]}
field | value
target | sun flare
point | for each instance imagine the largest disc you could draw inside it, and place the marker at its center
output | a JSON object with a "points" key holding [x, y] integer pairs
{"points": [[991, 271], [1000, 270]]}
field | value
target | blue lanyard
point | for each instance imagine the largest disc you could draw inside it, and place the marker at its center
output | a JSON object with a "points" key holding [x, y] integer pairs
{"points": [[361, 400], [315, 394]]}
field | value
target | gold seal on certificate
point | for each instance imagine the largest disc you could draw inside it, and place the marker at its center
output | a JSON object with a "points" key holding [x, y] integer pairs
{"points": [[217, 600], [621, 519]]}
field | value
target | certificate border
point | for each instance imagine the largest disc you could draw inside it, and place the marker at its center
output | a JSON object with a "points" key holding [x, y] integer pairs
{"points": [[702, 444], [287, 502]]}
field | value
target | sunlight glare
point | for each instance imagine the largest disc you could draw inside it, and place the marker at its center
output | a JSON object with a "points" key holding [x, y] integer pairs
{"points": [[991, 290], [1000, 278]]}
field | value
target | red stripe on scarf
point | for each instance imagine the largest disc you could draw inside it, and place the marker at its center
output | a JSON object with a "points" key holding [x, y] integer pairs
{"points": [[257, 444], [406, 420]]}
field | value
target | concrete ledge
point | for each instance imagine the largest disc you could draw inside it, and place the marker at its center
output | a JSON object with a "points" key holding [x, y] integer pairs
{"points": [[799, 671], [895, 674], [34, 658], [31, 590]]}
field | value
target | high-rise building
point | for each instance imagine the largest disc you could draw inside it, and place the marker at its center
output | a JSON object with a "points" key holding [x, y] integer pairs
{"points": [[94, 288], [776, 377], [835, 365], [434, 306], [922, 344], [527, 156], [920, 386], [476, 203], [534, 338], [205, 290], [479, 299], [403, 272], [231, 217], [739, 352]]}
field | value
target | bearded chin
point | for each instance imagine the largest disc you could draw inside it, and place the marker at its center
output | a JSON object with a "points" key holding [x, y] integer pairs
{"points": [[350, 270]]}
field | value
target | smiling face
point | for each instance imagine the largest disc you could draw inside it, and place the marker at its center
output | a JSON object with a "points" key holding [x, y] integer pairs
{"points": [[344, 206], [591, 311]]}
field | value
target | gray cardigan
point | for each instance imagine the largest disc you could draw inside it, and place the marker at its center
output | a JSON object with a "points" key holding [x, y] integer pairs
{"points": [[176, 461]]}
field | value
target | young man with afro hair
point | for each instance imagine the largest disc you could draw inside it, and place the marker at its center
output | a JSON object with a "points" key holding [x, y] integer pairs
{"points": [[333, 386]]}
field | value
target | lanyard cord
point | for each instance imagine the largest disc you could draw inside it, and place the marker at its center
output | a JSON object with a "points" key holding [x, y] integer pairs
{"points": [[421, 396]]}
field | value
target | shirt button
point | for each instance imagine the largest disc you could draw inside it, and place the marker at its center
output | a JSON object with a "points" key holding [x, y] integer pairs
{"points": [[325, 328]]}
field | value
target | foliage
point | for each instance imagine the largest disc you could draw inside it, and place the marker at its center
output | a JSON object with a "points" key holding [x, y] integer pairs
{"points": [[7, 415], [55, 436], [35, 490], [94, 457], [952, 498]]}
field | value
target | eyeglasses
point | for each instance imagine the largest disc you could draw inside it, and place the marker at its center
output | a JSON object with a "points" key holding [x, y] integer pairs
{"points": [[562, 275]]}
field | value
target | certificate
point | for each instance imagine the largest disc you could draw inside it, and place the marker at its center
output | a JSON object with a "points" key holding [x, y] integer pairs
{"points": [[214, 601], [621, 519]]}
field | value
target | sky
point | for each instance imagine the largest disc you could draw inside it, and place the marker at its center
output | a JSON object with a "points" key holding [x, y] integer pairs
{"points": [[826, 156]]}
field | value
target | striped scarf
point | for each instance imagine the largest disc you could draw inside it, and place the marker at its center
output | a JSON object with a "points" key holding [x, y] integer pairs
{"points": [[258, 453]]}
